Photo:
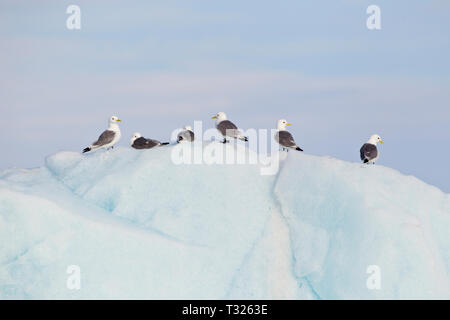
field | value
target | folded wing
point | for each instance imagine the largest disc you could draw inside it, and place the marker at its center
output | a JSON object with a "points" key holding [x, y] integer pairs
{"points": [[227, 128], [143, 143], [285, 139], [368, 151], [105, 138]]}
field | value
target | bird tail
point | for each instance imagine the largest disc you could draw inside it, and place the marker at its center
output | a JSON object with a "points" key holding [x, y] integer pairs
{"points": [[164, 143], [299, 149], [87, 149], [243, 138], [366, 160]]}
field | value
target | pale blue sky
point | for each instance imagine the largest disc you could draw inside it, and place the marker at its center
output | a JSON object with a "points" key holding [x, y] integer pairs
{"points": [[162, 64]]}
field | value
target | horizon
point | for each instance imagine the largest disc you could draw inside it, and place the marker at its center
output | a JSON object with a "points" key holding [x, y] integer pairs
{"points": [[160, 66]]}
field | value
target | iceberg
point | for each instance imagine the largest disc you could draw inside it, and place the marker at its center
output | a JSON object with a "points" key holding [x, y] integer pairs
{"points": [[346, 217], [140, 226]]}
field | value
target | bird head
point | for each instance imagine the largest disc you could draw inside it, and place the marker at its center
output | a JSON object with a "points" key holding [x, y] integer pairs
{"points": [[135, 136], [114, 119], [374, 139], [282, 123], [220, 116]]}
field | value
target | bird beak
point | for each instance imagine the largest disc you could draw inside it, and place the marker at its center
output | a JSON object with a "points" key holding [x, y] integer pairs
{"points": [[118, 120], [215, 117], [381, 141], [288, 124]]}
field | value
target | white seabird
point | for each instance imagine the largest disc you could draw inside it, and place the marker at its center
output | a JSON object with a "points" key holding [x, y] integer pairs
{"points": [[139, 142], [227, 128], [186, 135], [284, 138], [108, 138], [369, 151]]}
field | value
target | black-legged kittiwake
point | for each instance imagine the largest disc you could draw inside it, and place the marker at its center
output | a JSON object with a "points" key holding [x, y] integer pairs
{"points": [[186, 135], [369, 151], [284, 138], [139, 142], [108, 138], [227, 128]]}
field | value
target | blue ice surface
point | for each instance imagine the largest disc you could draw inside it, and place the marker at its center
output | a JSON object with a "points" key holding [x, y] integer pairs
{"points": [[141, 226]]}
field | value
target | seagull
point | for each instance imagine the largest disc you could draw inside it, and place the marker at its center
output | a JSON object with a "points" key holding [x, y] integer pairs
{"points": [[227, 128], [139, 142], [284, 138], [369, 151], [186, 135], [108, 138]]}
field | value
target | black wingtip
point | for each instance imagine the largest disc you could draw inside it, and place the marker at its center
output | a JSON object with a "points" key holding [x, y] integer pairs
{"points": [[164, 143], [86, 149], [366, 160], [245, 138], [298, 149]]}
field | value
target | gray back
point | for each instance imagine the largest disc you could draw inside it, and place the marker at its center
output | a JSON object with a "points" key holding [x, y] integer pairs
{"points": [[186, 135], [227, 128], [105, 138], [285, 139], [142, 143], [368, 151]]}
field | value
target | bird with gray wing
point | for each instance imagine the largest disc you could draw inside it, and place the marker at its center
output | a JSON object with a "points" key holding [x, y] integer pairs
{"points": [[227, 128], [186, 135], [139, 142], [369, 151], [108, 138], [284, 137]]}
